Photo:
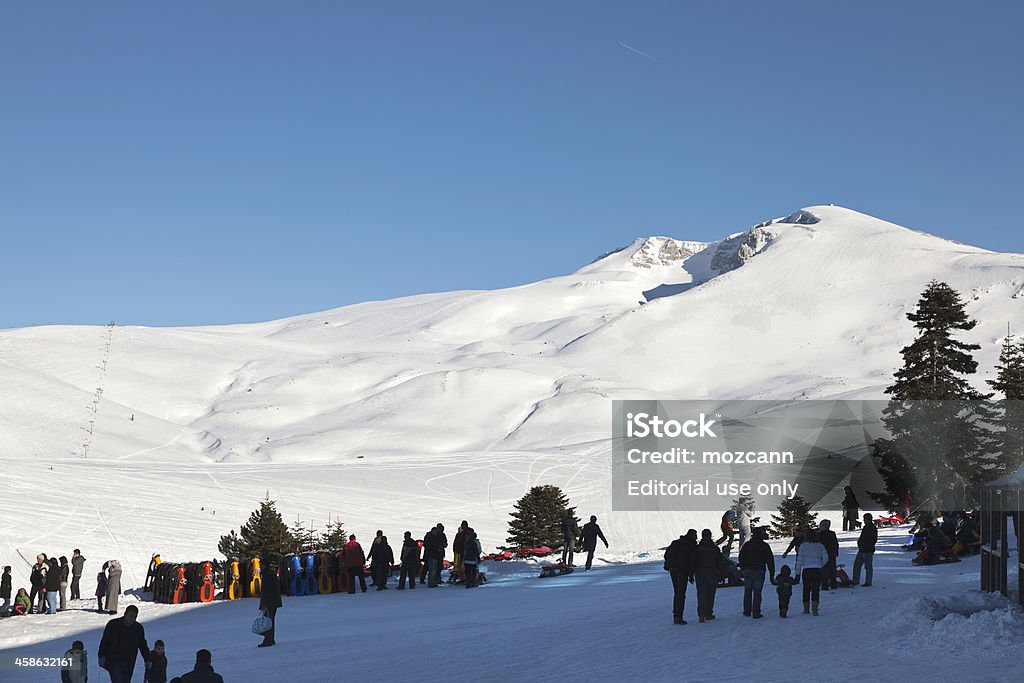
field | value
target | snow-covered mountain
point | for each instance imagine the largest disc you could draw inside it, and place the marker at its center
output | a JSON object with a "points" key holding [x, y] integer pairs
{"points": [[397, 414]]}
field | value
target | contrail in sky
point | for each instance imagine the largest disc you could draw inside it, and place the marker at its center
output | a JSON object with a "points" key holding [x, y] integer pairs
{"points": [[639, 52]]}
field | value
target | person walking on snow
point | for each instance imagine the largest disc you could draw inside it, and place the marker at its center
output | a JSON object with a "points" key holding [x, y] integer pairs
{"points": [[679, 559], [570, 532], [865, 552], [728, 530], [755, 558], [101, 590], [809, 563], [784, 589], [708, 563], [591, 532], [5, 592], [122, 639], [270, 602], [75, 668], [850, 508], [77, 565]]}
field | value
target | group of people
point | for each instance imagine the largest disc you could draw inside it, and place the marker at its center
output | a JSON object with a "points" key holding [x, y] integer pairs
{"points": [[49, 580], [703, 563], [122, 643], [420, 560], [955, 533], [585, 539]]}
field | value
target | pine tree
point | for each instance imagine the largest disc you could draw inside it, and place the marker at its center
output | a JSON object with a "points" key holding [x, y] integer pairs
{"points": [[897, 474], [537, 519], [794, 514], [938, 423], [265, 535], [334, 536], [305, 540], [1009, 382]]}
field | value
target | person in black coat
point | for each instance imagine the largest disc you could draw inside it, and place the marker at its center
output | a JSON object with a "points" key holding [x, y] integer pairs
{"points": [[202, 672], [5, 592], [591, 532], [433, 551], [708, 564], [679, 557], [381, 558], [755, 558], [865, 552], [828, 538], [37, 580], [270, 602], [850, 508], [409, 556], [122, 639], [51, 585]]}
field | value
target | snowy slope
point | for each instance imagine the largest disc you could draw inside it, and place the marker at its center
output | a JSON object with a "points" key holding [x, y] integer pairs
{"points": [[398, 414]]}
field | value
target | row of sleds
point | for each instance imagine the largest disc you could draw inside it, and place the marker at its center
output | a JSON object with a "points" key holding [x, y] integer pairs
{"points": [[299, 574], [176, 583]]}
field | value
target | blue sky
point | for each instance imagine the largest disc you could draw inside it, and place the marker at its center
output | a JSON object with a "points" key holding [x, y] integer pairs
{"points": [[200, 164]]}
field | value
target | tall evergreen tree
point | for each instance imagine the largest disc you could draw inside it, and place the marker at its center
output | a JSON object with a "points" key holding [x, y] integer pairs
{"points": [[794, 514], [265, 535], [537, 519], [938, 423], [1009, 382]]}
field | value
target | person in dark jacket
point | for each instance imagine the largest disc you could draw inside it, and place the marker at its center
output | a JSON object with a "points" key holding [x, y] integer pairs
{"points": [[865, 552], [784, 589], [755, 558], [459, 544], [75, 668], [679, 558], [381, 558], [156, 668], [202, 672], [5, 592], [354, 561], [708, 564], [850, 508], [37, 581], [591, 532], [828, 538], [77, 566], [433, 551], [409, 559], [728, 527], [570, 532], [798, 537], [101, 590], [270, 602], [123, 637], [52, 585], [471, 559], [65, 571]]}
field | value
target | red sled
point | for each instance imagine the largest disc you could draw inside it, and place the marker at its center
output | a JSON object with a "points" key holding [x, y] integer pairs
{"points": [[843, 579], [557, 569], [892, 520], [542, 551], [497, 557]]}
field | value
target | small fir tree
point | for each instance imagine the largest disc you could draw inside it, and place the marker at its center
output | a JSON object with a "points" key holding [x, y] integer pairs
{"points": [[1009, 382], [537, 519], [334, 536], [265, 535], [794, 514]]}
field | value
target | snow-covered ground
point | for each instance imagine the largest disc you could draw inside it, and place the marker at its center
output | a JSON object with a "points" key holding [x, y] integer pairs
{"points": [[614, 623], [125, 441]]}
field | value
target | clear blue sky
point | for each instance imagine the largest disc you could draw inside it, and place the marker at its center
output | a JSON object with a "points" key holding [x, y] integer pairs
{"points": [[202, 162]]}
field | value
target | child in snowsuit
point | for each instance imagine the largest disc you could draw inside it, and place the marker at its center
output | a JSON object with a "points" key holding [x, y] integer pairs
{"points": [[101, 591], [22, 604], [784, 589], [77, 669], [156, 669]]}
